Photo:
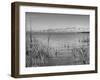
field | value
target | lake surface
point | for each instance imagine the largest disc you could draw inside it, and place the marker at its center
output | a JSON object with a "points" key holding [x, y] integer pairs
{"points": [[70, 48]]}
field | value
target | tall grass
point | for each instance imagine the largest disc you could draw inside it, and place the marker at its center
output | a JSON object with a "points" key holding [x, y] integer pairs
{"points": [[81, 55], [37, 54]]}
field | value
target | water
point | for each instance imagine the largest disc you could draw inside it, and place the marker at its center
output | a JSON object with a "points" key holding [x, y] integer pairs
{"points": [[57, 40], [63, 48]]}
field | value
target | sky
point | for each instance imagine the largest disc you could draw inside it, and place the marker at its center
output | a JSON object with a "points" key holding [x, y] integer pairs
{"points": [[44, 21]]}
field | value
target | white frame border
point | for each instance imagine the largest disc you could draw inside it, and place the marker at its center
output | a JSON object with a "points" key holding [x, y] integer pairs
{"points": [[53, 69]]}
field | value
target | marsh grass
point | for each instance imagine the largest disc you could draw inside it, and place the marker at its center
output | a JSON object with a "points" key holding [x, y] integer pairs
{"points": [[39, 53], [81, 55]]}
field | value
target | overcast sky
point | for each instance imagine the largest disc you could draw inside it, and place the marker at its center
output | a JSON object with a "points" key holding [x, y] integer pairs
{"points": [[43, 21]]}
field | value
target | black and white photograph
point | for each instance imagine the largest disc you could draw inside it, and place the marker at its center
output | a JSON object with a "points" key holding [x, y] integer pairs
{"points": [[57, 39]]}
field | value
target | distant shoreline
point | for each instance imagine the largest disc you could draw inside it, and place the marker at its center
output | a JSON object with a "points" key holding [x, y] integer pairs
{"points": [[55, 32]]}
